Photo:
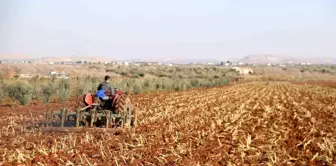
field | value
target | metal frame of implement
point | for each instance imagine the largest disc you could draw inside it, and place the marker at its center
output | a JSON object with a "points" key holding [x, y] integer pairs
{"points": [[80, 115]]}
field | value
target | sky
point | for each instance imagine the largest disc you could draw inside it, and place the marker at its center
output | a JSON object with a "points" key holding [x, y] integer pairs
{"points": [[152, 29]]}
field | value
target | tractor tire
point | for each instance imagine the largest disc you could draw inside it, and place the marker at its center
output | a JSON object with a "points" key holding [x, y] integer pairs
{"points": [[124, 107], [80, 102]]}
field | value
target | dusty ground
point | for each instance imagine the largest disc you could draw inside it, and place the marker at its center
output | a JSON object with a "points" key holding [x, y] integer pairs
{"points": [[319, 83], [261, 123]]}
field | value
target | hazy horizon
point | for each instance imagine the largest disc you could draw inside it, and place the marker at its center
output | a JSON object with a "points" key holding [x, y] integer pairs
{"points": [[148, 29]]}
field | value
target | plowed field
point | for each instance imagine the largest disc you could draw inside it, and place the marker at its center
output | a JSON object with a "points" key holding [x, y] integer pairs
{"points": [[252, 123]]}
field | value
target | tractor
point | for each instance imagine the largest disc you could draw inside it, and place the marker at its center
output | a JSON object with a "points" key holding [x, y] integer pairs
{"points": [[100, 110]]}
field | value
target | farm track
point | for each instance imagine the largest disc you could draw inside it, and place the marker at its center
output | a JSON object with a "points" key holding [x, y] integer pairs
{"points": [[261, 123]]}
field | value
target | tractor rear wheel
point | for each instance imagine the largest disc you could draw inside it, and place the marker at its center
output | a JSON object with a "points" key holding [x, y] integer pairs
{"points": [[125, 109], [80, 102]]}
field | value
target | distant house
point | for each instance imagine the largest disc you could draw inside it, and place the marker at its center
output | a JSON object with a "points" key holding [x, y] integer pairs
{"points": [[209, 63], [234, 64], [58, 74], [243, 71], [227, 63], [305, 63], [283, 66], [26, 76], [241, 63]]}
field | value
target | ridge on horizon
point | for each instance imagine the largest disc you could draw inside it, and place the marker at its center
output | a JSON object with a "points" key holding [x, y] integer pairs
{"points": [[250, 59]]}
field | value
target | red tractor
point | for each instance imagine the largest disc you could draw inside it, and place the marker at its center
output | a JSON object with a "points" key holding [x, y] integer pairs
{"points": [[113, 110], [107, 111]]}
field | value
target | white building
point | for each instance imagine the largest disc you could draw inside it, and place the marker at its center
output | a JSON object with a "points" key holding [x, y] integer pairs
{"points": [[243, 71], [241, 63]]}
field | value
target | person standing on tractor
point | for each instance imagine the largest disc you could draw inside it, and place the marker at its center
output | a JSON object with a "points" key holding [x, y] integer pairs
{"points": [[105, 85]]}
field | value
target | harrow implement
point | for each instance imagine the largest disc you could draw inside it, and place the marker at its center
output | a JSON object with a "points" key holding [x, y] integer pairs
{"points": [[92, 112]]}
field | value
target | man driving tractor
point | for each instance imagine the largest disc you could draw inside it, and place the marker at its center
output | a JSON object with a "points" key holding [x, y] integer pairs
{"points": [[105, 91], [105, 85], [107, 94]]}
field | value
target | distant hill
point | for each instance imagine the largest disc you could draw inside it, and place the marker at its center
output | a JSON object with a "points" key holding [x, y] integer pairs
{"points": [[173, 60], [322, 60], [15, 57], [53, 59], [251, 59], [187, 60], [266, 59], [76, 58]]}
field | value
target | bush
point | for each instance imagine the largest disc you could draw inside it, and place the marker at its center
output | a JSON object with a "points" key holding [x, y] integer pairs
{"points": [[20, 91], [36, 85], [92, 85], [84, 86], [2, 92], [142, 74], [87, 84], [194, 83], [48, 89], [79, 89], [157, 86], [146, 84], [109, 70], [137, 89], [64, 89], [135, 76], [36, 91], [124, 74], [325, 71]]}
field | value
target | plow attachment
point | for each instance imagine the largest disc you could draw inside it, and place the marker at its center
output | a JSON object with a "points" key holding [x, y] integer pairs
{"points": [[81, 129], [91, 116]]}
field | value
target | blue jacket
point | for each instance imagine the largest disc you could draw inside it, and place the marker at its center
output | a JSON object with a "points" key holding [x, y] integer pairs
{"points": [[101, 94]]}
